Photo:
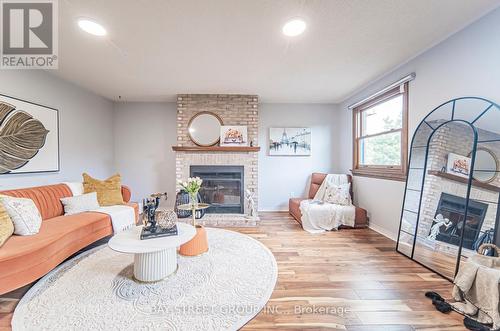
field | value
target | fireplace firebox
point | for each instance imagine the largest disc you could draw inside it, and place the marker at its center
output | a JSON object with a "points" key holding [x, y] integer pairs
{"points": [[222, 188], [453, 208]]}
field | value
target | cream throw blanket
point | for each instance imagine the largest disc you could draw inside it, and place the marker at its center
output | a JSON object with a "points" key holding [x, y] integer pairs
{"points": [[318, 216], [477, 290], [122, 216]]}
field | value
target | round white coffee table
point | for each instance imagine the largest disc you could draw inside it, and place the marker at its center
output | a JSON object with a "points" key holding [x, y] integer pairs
{"points": [[154, 259]]}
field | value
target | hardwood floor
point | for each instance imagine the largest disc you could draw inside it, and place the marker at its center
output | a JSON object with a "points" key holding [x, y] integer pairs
{"points": [[347, 280]]}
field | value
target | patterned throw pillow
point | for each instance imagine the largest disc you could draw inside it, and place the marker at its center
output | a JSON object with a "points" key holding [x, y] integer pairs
{"points": [[109, 191], [24, 214], [6, 226], [338, 194], [80, 203]]}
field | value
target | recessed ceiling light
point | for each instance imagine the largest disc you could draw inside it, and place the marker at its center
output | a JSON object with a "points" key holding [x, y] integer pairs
{"points": [[91, 27], [294, 27]]}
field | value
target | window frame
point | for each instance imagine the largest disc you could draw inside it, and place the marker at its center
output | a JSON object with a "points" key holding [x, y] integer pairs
{"points": [[380, 171]]}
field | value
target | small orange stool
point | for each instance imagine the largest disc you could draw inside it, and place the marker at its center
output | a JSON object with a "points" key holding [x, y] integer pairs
{"points": [[196, 246]]}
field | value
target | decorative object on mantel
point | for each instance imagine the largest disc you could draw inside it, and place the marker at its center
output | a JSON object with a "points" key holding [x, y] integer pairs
{"points": [[204, 127], [199, 244], [29, 137], [290, 141], [458, 165], [447, 211], [233, 135], [182, 198]]}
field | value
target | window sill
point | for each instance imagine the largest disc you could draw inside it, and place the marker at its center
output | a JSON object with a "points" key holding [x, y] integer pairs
{"points": [[386, 174]]}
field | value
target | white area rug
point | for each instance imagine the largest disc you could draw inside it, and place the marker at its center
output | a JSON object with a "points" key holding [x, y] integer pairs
{"points": [[220, 290]]}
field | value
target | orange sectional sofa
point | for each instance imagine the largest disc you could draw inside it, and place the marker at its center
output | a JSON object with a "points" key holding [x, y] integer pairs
{"points": [[361, 220], [24, 259]]}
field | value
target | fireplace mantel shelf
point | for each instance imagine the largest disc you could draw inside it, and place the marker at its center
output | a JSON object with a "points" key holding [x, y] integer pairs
{"points": [[216, 149], [464, 180]]}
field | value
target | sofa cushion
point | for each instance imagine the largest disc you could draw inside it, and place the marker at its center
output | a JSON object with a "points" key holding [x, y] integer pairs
{"points": [[57, 236], [6, 225], [23, 214], [80, 203], [338, 194], [109, 191]]}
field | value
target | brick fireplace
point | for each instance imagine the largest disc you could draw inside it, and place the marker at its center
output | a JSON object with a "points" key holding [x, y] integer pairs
{"points": [[233, 109]]}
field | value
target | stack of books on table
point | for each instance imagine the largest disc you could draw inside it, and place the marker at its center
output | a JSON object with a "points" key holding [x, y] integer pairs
{"points": [[146, 233]]}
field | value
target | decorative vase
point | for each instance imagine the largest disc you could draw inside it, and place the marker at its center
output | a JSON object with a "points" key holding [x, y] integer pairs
{"points": [[166, 218], [182, 198], [196, 246], [193, 199]]}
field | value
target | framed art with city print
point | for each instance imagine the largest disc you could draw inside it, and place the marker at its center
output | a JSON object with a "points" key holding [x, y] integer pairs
{"points": [[289, 141]]}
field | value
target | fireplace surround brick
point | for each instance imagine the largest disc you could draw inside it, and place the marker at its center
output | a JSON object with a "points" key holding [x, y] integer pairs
{"points": [[233, 109]]}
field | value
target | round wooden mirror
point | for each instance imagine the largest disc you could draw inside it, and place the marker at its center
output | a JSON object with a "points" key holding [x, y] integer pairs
{"points": [[486, 165], [204, 128]]}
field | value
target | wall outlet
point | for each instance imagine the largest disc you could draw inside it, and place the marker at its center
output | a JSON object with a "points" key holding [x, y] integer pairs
{"points": [[292, 194]]}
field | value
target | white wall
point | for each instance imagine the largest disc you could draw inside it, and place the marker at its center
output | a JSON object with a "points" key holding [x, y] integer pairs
{"points": [[145, 132], [282, 177], [466, 64], [143, 135], [85, 126]]}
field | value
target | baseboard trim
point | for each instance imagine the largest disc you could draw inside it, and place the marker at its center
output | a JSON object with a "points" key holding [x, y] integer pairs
{"points": [[384, 232], [274, 211]]}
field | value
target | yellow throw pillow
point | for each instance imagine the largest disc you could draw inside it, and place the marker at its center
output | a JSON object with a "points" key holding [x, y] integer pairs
{"points": [[109, 191], [6, 225]]}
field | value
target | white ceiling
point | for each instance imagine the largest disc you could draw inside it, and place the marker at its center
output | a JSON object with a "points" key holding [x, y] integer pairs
{"points": [[158, 48]]}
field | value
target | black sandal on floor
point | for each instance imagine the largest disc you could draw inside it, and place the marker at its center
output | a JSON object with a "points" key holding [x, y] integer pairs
{"points": [[470, 324], [434, 296], [442, 306]]}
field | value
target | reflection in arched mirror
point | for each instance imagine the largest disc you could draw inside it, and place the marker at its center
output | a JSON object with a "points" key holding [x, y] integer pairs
{"points": [[452, 189], [486, 165], [444, 197]]}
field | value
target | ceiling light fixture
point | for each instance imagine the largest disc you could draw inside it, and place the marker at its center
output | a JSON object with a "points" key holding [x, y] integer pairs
{"points": [[91, 27], [294, 27]]}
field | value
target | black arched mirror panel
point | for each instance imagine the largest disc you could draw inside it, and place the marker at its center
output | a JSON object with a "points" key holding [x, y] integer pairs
{"points": [[453, 189]]}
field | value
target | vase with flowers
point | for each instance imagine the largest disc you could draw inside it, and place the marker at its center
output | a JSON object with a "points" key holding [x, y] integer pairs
{"points": [[199, 243], [192, 186]]}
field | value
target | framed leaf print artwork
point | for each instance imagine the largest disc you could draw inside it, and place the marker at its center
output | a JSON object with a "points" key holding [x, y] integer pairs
{"points": [[29, 137]]}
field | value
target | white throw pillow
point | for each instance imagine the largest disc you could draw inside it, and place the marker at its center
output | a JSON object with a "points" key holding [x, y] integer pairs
{"points": [[80, 203], [24, 214], [338, 194], [75, 187]]}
